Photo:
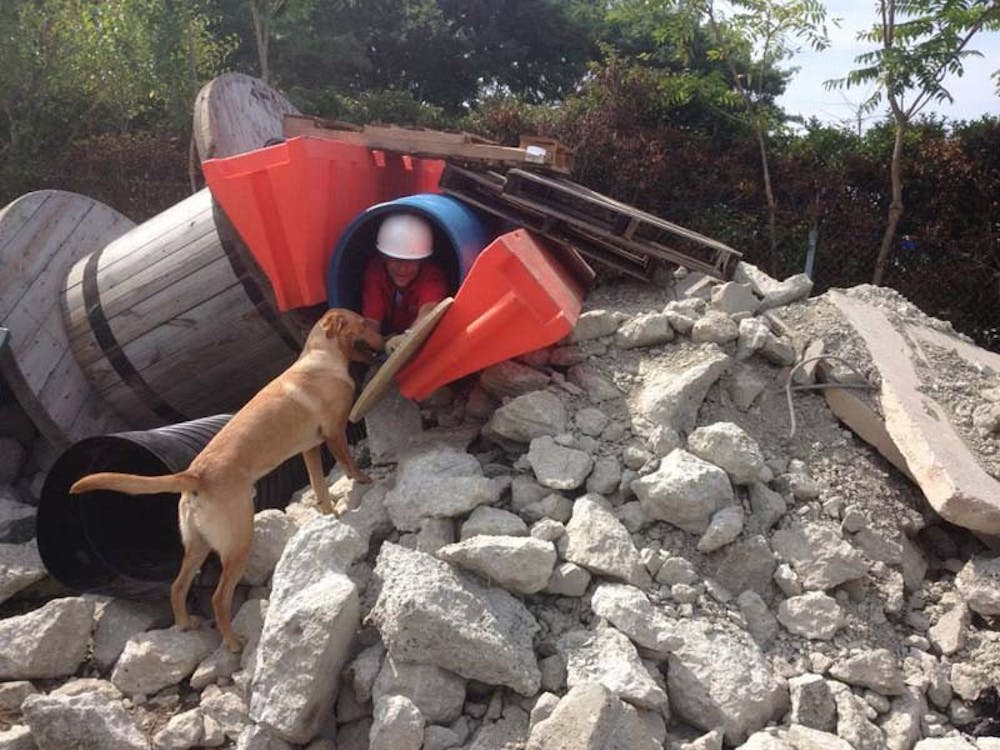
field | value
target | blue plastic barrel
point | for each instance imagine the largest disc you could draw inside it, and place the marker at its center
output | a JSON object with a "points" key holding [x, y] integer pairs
{"points": [[460, 234]]}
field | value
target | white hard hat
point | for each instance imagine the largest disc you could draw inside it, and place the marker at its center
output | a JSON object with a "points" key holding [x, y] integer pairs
{"points": [[405, 236]]}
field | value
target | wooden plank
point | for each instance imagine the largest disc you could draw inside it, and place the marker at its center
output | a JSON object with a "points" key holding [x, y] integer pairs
{"points": [[424, 143], [235, 113]]}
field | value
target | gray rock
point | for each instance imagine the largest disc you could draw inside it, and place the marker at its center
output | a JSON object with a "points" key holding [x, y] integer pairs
{"points": [[753, 336], [599, 542], [511, 378], [13, 693], [714, 327], [184, 730], [609, 658], [948, 633], [397, 725], [733, 298], [51, 641], [20, 566], [606, 475], [296, 678], [768, 506], [676, 570], [508, 731], [790, 290], [17, 737], [819, 555], [728, 446], [429, 613], [553, 506], [86, 716], [806, 738], [878, 546], [271, 531], [226, 708], [761, 623], [979, 584], [744, 386], [159, 658], [811, 615], [759, 281], [390, 427], [440, 738], [527, 417], [646, 329], [258, 738], [901, 725], [590, 421], [594, 324], [437, 693], [568, 579], [813, 704], [435, 533], [719, 679], [747, 564], [557, 467], [493, 522], [709, 741], [591, 717], [631, 612], [877, 669], [724, 528], [121, 619], [685, 491], [671, 393], [597, 387], [438, 482], [852, 722], [521, 564]]}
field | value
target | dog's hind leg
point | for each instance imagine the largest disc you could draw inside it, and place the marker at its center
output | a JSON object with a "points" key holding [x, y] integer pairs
{"points": [[234, 562], [317, 479], [196, 549]]}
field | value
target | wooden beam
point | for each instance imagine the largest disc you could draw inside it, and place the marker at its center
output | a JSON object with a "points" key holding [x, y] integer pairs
{"points": [[427, 143]]}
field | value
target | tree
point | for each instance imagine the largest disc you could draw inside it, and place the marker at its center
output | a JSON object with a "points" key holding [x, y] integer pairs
{"points": [[920, 42], [750, 40]]}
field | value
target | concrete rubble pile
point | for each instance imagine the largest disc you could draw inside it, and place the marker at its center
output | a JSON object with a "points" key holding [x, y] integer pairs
{"points": [[612, 543]]}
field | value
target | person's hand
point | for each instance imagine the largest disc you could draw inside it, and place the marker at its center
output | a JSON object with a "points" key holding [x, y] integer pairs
{"points": [[392, 343]]}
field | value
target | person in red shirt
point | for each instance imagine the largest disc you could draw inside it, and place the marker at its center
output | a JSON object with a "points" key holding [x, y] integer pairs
{"points": [[400, 284]]}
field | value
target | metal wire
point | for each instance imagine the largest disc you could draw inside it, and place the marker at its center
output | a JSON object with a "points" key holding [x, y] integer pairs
{"points": [[818, 386]]}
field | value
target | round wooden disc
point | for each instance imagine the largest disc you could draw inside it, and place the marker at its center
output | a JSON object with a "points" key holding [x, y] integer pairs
{"points": [[235, 113], [42, 235]]}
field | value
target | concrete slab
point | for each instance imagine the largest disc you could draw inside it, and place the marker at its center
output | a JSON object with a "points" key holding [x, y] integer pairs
{"points": [[948, 473]]}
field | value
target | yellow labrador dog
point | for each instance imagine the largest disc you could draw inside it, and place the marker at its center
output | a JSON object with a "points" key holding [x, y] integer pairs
{"points": [[306, 405]]}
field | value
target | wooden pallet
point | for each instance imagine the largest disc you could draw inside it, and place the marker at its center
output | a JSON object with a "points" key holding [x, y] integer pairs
{"points": [[601, 228], [483, 190], [622, 225]]}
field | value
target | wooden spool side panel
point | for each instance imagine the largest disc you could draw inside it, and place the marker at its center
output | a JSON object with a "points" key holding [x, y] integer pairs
{"points": [[236, 113], [42, 235]]}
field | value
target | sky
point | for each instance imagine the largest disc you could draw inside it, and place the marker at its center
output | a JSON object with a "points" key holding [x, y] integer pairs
{"points": [[974, 93]]}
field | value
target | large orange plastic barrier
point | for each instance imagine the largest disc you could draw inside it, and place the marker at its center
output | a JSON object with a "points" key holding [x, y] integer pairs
{"points": [[515, 299], [290, 202]]}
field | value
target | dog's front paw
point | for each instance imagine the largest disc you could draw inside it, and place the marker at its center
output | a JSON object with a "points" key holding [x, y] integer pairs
{"points": [[325, 507]]}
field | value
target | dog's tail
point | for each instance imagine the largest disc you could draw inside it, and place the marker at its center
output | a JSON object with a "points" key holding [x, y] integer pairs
{"points": [[134, 484]]}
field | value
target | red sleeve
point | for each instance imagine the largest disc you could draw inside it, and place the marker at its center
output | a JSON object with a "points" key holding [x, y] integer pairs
{"points": [[433, 287], [372, 304]]}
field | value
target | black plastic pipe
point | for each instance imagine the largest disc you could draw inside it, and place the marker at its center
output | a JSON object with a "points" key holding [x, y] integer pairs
{"points": [[129, 546]]}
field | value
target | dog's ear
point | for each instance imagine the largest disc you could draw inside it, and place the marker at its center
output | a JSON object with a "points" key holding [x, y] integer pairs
{"points": [[332, 324]]}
